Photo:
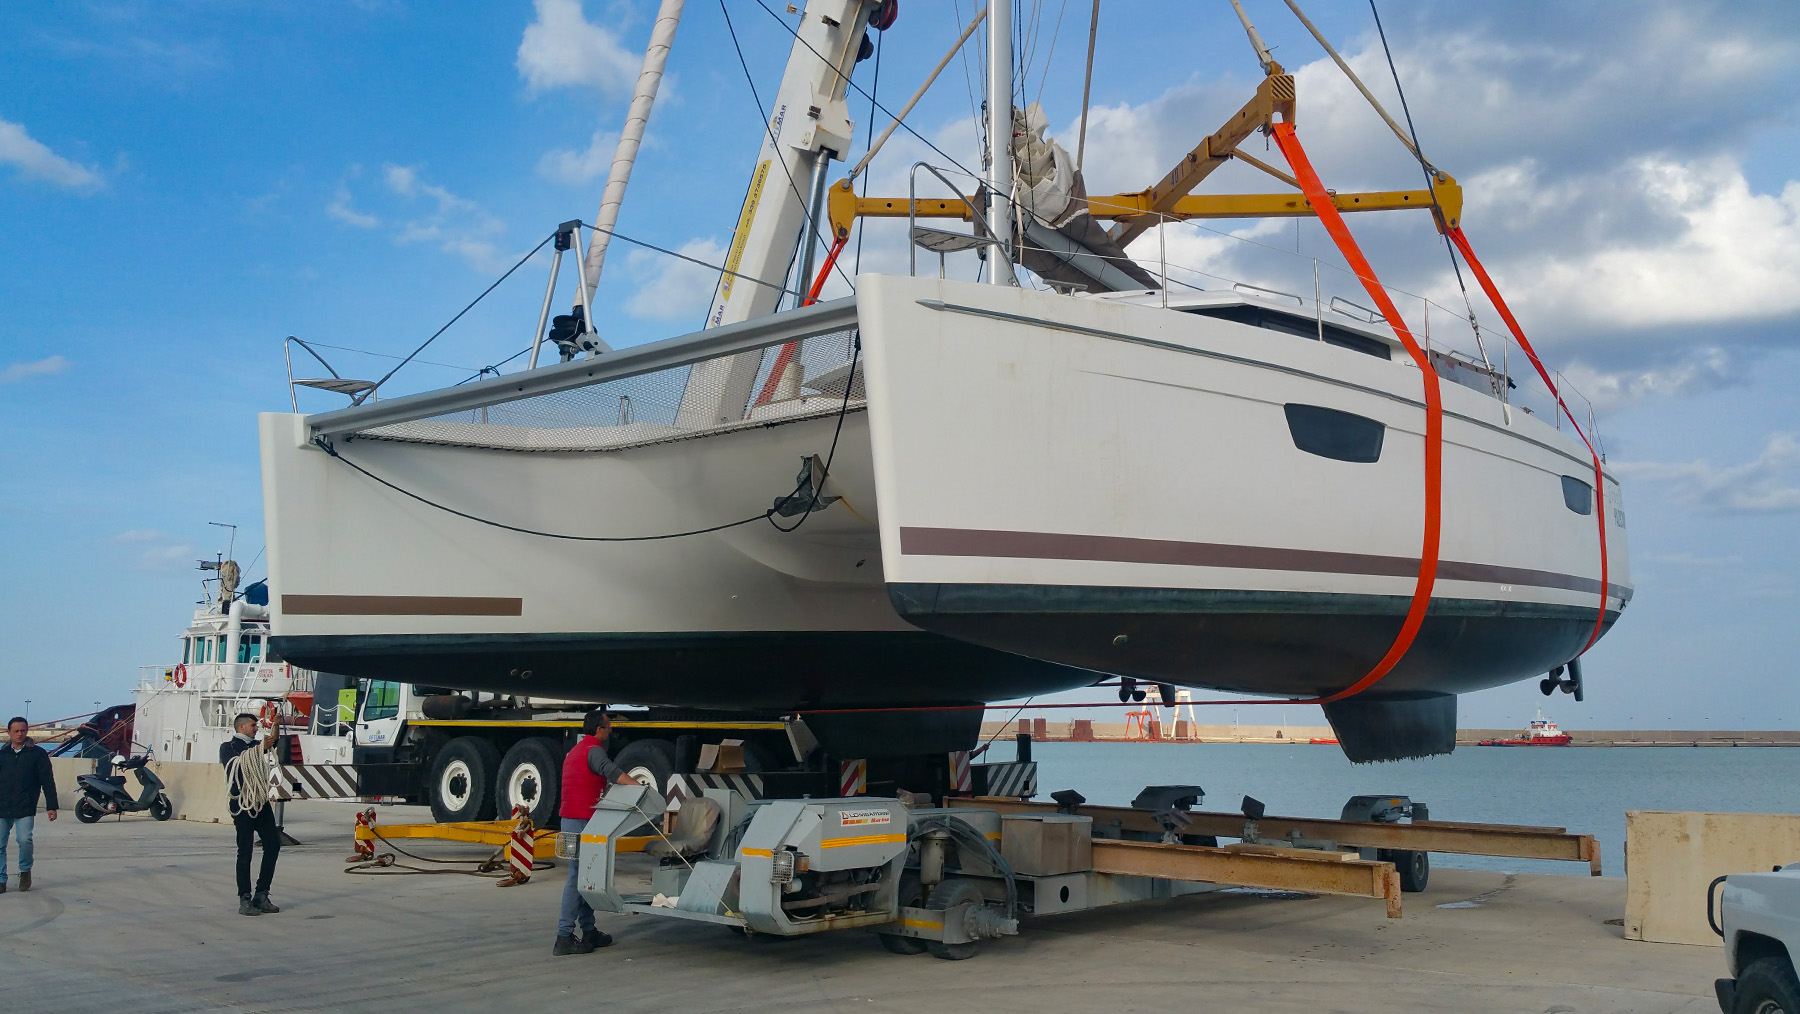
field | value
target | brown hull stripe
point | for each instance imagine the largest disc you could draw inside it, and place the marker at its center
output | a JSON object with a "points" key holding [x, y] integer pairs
{"points": [[1117, 549], [400, 605]]}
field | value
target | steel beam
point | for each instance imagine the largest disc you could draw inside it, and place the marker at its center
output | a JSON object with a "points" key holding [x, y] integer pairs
{"points": [[1427, 836], [712, 343], [1355, 878]]}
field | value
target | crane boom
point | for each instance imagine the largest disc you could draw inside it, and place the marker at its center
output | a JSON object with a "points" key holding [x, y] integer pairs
{"points": [[809, 120]]}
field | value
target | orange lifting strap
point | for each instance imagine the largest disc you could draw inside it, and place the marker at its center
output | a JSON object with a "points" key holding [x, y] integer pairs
{"points": [[788, 351], [1493, 293], [1322, 206]]}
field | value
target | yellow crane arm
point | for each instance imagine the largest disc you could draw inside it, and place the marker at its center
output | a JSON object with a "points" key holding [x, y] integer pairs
{"points": [[844, 206]]}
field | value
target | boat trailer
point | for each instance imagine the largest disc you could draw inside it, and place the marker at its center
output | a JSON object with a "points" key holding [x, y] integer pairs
{"points": [[943, 879]]}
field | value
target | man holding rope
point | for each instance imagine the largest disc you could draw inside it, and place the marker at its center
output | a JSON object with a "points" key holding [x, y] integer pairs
{"points": [[585, 773], [247, 779]]}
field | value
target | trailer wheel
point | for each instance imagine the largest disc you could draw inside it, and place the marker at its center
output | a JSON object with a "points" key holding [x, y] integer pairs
{"points": [[912, 895], [462, 781], [1414, 867], [529, 776], [651, 761], [945, 896]]}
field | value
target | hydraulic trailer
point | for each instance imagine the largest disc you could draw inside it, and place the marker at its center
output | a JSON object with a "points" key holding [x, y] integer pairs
{"points": [[923, 878]]}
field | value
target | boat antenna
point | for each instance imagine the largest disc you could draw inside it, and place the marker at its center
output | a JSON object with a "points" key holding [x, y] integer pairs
{"points": [[231, 545], [1263, 56]]}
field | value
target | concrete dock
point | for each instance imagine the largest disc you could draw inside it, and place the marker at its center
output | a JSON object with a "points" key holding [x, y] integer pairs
{"points": [[139, 916]]}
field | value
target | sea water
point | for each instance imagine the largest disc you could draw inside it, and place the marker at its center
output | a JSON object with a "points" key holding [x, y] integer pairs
{"points": [[1585, 789]]}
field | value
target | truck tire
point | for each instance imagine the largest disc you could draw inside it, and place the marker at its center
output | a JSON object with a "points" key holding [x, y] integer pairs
{"points": [[1414, 867], [530, 775], [947, 895], [911, 895], [462, 781], [1767, 986], [653, 761]]}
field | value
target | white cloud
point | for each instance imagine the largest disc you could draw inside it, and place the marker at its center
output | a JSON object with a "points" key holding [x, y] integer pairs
{"points": [[454, 224], [671, 288], [562, 48], [1731, 254], [35, 160], [38, 368], [1759, 486], [340, 209], [160, 550], [576, 167], [1705, 369]]}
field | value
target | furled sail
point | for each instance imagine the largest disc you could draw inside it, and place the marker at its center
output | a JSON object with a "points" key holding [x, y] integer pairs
{"points": [[1054, 235]]}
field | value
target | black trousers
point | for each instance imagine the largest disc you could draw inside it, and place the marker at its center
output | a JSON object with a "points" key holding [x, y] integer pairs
{"points": [[248, 830]]}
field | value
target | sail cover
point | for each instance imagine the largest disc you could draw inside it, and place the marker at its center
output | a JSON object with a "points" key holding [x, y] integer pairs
{"points": [[1054, 235]]}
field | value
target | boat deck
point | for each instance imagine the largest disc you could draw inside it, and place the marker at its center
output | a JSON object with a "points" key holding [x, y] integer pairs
{"points": [[129, 914]]}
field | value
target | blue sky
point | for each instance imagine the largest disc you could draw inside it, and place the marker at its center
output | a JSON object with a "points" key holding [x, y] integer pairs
{"points": [[182, 184]]}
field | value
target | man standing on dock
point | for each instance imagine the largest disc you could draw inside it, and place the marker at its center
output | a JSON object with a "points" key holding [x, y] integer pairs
{"points": [[24, 772], [585, 773], [251, 812]]}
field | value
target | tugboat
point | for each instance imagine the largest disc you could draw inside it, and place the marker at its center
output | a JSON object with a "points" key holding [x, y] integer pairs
{"points": [[184, 711], [1541, 732]]}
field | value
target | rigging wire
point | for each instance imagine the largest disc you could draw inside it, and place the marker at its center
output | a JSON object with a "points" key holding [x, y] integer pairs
{"points": [[769, 129], [459, 313], [1430, 181], [874, 89]]}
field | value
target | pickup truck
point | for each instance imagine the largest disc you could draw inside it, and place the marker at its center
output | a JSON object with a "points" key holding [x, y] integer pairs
{"points": [[1759, 917]]}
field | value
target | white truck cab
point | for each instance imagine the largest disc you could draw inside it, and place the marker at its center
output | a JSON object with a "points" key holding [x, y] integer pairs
{"points": [[1759, 917]]}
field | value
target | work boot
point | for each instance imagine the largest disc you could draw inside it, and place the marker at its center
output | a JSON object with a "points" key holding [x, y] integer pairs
{"points": [[596, 939], [261, 900], [572, 945], [25, 880], [247, 906]]}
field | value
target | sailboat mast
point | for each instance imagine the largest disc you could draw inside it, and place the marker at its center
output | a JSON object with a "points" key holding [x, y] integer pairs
{"points": [[999, 138], [656, 56]]}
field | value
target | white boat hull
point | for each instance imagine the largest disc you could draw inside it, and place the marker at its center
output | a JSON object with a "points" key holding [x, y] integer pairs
{"points": [[1038, 488]]}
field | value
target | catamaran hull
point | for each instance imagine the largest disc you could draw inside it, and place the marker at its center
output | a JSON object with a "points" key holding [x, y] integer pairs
{"points": [[1039, 490]]}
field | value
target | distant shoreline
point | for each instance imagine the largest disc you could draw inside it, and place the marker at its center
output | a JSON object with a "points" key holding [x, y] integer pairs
{"points": [[1083, 731]]}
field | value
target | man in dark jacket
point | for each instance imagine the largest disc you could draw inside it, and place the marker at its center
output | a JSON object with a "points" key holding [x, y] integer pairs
{"points": [[24, 772], [253, 818]]}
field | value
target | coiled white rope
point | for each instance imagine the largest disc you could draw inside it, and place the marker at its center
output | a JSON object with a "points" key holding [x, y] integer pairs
{"points": [[247, 780]]}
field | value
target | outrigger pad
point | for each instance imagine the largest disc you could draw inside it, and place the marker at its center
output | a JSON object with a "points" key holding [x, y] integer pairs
{"points": [[1394, 726]]}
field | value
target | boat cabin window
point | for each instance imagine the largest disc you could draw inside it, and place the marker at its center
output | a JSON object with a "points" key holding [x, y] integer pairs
{"points": [[1330, 433], [250, 648], [381, 701], [1578, 496], [1294, 324], [187, 650]]}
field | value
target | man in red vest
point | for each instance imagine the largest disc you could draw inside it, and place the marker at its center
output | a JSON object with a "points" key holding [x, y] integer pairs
{"points": [[585, 772]]}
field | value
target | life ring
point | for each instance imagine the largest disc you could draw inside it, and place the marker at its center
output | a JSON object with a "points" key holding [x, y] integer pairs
{"points": [[181, 675], [269, 714]]}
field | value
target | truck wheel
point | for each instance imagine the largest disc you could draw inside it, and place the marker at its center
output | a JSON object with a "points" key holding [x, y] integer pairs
{"points": [[530, 776], [86, 811], [462, 781], [945, 896], [1767, 986], [1414, 867], [652, 761], [912, 895]]}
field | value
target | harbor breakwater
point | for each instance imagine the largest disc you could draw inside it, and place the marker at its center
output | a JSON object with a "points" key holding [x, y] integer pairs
{"points": [[1153, 730]]}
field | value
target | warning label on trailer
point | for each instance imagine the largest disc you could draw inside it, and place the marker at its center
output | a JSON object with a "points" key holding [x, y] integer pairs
{"points": [[853, 818]]}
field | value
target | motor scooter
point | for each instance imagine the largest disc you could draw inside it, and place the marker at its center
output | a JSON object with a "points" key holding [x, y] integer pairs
{"points": [[105, 794]]}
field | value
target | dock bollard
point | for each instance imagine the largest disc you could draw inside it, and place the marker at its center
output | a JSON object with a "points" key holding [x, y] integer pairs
{"points": [[364, 847], [519, 849]]}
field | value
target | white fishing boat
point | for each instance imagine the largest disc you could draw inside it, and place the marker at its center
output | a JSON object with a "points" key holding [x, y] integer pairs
{"points": [[936, 493]]}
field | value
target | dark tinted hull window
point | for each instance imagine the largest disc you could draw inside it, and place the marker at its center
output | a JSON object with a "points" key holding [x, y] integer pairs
{"points": [[1333, 434], [1578, 495]]}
